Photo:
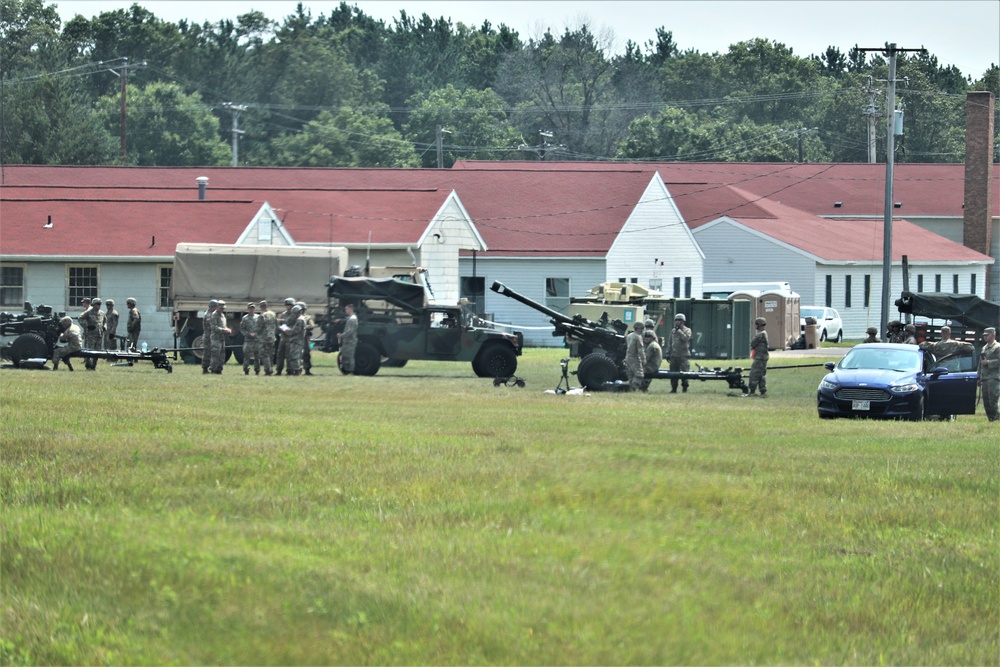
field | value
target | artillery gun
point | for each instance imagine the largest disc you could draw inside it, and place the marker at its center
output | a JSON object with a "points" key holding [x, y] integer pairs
{"points": [[35, 332]]}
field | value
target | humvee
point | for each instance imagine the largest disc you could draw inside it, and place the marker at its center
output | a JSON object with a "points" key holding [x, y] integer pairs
{"points": [[395, 326]]}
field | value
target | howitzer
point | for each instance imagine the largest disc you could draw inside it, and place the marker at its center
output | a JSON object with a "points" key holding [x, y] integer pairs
{"points": [[157, 355], [599, 345]]}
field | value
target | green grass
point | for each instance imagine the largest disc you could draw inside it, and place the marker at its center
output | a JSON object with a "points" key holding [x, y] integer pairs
{"points": [[426, 516]]}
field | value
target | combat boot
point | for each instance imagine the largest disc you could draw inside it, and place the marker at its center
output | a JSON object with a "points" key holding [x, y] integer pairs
{"points": [[246, 371], [55, 364]]}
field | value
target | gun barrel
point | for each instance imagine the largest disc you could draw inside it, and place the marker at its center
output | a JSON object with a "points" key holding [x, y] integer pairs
{"points": [[556, 316]]}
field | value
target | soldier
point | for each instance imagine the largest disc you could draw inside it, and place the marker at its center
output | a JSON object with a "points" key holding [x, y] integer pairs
{"points": [[134, 325], [85, 305], [635, 357], [989, 374], [296, 333], [206, 336], [267, 325], [282, 337], [92, 325], [894, 332], [679, 350], [760, 354], [220, 329], [654, 354], [872, 336], [111, 326], [248, 327], [307, 337], [909, 335], [348, 340], [73, 343], [946, 346]]}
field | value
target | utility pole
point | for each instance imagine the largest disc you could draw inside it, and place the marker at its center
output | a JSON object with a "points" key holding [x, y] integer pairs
{"points": [[891, 51], [871, 113], [236, 110], [543, 145], [124, 67], [800, 133], [440, 145]]}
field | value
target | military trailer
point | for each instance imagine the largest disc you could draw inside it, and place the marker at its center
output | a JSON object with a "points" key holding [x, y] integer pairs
{"points": [[239, 274], [395, 325]]}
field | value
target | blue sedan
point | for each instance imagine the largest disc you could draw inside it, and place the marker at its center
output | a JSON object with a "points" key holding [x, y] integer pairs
{"points": [[882, 380]]}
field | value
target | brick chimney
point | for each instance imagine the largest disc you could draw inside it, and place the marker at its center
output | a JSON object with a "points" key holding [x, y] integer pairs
{"points": [[978, 223]]}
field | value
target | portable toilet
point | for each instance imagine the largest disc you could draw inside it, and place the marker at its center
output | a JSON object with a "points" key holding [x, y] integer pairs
{"points": [[781, 310]]}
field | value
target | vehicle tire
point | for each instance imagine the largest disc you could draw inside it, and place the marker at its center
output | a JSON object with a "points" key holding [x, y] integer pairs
{"points": [[840, 336], [389, 362], [236, 343], [198, 347], [822, 336], [28, 346], [366, 359], [595, 370], [191, 356], [918, 413], [495, 361]]}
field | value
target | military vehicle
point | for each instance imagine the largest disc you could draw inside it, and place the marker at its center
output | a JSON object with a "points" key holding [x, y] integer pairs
{"points": [[241, 274], [395, 325], [35, 332]]}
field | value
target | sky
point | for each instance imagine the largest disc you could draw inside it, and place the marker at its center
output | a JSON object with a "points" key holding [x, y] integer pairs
{"points": [[964, 33]]}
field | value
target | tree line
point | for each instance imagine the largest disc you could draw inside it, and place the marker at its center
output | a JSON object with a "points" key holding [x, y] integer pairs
{"points": [[345, 89]]}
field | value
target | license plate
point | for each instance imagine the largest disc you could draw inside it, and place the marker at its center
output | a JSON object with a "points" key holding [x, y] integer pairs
{"points": [[861, 405]]}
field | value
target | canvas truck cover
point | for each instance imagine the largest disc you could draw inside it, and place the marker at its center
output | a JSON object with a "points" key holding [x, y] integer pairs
{"points": [[240, 274], [409, 296], [968, 309]]}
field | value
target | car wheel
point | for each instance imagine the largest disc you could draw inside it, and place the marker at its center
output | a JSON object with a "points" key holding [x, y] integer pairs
{"points": [[28, 346], [840, 336], [367, 359], [822, 336], [596, 370], [495, 361], [918, 413]]}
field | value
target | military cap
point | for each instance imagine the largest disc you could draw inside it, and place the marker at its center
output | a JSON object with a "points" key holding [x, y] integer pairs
{"points": [[130, 301], [649, 324], [85, 299], [990, 330], [262, 303], [213, 303], [895, 323], [301, 304], [109, 303], [649, 332], [871, 330], [760, 321], [946, 328], [638, 325], [66, 322], [909, 327], [296, 310], [96, 302], [289, 301], [221, 303], [251, 305], [680, 316]]}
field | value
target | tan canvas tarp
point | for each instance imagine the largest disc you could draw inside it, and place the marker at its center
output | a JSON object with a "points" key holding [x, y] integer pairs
{"points": [[239, 274]]}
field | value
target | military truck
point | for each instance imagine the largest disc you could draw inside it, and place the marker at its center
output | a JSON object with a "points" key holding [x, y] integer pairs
{"points": [[30, 334], [395, 325], [241, 274]]}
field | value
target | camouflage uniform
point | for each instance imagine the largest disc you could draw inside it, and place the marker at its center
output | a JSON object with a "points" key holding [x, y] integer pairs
{"points": [[872, 336], [909, 335], [296, 335], [134, 325], [74, 343], [219, 330], [947, 346], [111, 326], [758, 369], [348, 343], [989, 375], [307, 335], [635, 357], [282, 350], [654, 357], [92, 325], [894, 332], [206, 336], [679, 351], [266, 327], [248, 327]]}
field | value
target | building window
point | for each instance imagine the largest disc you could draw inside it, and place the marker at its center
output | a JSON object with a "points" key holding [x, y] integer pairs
{"points": [[557, 294], [868, 291], [687, 287], [81, 282], [920, 282], [12, 286], [937, 282], [677, 288], [165, 273], [954, 283], [473, 288], [829, 292], [972, 283], [847, 291], [264, 231], [656, 284]]}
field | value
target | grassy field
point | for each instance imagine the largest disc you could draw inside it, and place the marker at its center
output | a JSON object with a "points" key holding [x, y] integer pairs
{"points": [[426, 516]]}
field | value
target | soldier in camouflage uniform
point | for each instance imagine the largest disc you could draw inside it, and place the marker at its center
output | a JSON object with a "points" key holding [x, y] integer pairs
{"points": [[111, 326], [73, 339], [909, 335], [872, 336], [946, 346], [267, 325], [219, 330], [679, 350], [248, 327], [307, 337], [282, 351], [989, 374], [635, 357], [206, 336], [92, 324], [348, 340], [760, 353], [654, 354], [134, 325], [296, 336], [894, 332]]}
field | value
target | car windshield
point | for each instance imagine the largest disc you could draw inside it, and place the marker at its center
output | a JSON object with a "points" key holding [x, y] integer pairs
{"points": [[812, 312], [907, 361]]}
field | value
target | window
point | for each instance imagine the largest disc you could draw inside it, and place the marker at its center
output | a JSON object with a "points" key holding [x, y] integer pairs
{"points": [[166, 273], [677, 288], [687, 287], [264, 231], [657, 284], [847, 291], [829, 292], [12, 286], [937, 282], [81, 281], [920, 282], [474, 289], [557, 294], [954, 284], [868, 291], [972, 284]]}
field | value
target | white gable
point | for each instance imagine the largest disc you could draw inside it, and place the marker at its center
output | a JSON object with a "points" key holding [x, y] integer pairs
{"points": [[265, 229]]}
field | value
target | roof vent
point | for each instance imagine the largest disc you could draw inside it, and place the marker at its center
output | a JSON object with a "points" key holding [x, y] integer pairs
{"points": [[898, 204], [838, 204], [202, 186]]}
